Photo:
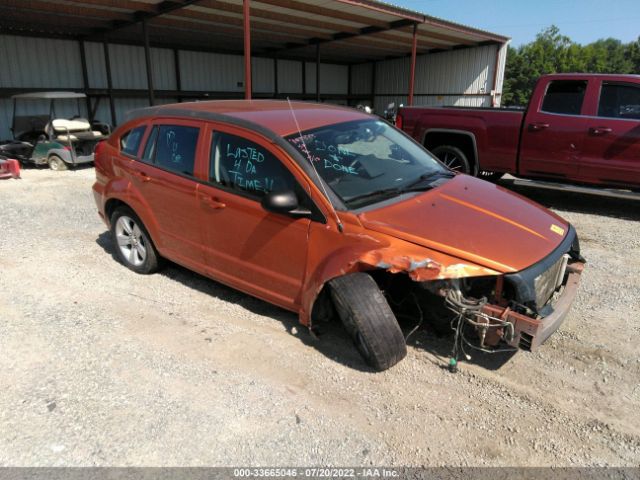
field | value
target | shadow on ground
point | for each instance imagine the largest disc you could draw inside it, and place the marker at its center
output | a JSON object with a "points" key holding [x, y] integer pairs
{"points": [[330, 339]]}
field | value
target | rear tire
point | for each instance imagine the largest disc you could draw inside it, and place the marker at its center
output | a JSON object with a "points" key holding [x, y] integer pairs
{"points": [[56, 163], [453, 158], [369, 320], [132, 242]]}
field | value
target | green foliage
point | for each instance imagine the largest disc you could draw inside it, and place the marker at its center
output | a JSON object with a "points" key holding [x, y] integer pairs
{"points": [[552, 52]]}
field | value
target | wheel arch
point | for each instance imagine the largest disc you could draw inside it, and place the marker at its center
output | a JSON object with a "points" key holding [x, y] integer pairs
{"points": [[138, 207], [466, 141]]}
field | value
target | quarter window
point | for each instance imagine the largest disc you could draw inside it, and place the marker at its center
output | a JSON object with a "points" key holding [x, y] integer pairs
{"points": [[175, 148], [243, 165], [564, 96], [130, 141], [619, 100]]}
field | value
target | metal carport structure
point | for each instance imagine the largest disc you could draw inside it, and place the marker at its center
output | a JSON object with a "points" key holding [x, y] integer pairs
{"points": [[342, 32]]}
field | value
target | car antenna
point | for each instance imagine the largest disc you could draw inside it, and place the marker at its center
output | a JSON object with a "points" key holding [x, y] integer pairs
{"points": [[306, 151]]}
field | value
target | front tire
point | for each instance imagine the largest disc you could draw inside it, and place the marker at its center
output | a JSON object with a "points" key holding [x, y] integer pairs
{"points": [[453, 158], [132, 242], [56, 163], [369, 320]]}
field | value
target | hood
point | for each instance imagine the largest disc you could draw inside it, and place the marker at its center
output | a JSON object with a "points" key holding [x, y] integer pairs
{"points": [[474, 220]]}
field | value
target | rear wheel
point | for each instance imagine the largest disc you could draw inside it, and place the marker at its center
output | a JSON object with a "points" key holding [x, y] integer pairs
{"points": [[453, 157], [56, 163], [369, 320], [134, 247]]}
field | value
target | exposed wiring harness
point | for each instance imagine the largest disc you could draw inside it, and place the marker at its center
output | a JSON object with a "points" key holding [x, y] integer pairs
{"points": [[469, 311]]}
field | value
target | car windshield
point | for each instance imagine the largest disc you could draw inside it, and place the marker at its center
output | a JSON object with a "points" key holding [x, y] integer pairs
{"points": [[367, 161]]}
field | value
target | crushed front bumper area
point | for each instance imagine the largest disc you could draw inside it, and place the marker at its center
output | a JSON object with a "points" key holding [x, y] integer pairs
{"points": [[522, 331]]}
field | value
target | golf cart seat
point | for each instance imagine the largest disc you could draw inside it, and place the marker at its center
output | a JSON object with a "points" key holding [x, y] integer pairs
{"points": [[62, 129]]}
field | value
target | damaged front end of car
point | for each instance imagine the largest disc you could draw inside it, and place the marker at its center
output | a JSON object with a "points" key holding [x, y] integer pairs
{"points": [[491, 313]]}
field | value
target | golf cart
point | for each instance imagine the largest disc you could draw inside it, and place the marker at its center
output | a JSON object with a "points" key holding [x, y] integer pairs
{"points": [[47, 138]]}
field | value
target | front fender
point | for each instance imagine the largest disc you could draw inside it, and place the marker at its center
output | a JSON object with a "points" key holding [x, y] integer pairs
{"points": [[340, 254]]}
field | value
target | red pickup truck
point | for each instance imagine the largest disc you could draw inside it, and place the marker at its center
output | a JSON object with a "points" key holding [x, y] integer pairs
{"points": [[578, 128]]}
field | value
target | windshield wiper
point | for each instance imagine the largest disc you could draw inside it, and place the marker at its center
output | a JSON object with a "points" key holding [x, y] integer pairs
{"points": [[376, 193], [419, 185]]}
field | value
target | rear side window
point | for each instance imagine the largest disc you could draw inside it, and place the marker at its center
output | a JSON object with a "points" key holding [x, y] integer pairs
{"points": [[243, 165], [130, 141], [619, 100], [565, 96], [174, 148]]}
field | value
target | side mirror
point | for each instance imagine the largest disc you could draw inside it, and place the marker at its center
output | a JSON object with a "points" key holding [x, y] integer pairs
{"points": [[284, 202]]}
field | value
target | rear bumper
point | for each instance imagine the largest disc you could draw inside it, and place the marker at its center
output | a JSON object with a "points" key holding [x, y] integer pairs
{"points": [[529, 333]]}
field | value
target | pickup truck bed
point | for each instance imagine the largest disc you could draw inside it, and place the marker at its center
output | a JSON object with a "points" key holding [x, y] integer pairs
{"points": [[578, 128]]}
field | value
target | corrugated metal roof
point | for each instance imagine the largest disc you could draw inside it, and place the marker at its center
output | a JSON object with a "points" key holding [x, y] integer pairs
{"points": [[366, 29]]}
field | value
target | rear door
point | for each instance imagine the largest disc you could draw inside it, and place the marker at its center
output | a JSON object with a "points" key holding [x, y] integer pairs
{"points": [[247, 247], [554, 130], [164, 176], [611, 153]]}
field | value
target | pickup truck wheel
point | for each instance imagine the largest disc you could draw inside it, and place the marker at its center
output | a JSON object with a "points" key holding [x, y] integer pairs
{"points": [[369, 320], [134, 247], [453, 157], [56, 163]]}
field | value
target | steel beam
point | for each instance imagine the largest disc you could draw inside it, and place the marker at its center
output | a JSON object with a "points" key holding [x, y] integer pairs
{"points": [[246, 16], [318, 72], [412, 75], [107, 64], [147, 59], [85, 78]]}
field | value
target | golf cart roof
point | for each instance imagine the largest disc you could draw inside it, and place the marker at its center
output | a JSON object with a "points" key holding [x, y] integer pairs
{"points": [[48, 95]]}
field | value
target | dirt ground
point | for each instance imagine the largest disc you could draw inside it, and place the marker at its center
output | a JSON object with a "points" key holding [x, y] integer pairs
{"points": [[100, 366]]}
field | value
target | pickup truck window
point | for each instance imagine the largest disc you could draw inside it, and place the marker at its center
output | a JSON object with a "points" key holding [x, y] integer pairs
{"points": [[619, 100], [564, 97]]}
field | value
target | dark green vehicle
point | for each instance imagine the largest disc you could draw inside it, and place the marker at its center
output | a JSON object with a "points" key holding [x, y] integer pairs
{"points": [[47, 138]]}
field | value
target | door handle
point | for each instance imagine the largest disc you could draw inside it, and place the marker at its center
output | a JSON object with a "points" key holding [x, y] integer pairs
{"points": [[211, 202], [600, 130], [538, 126], [142, 176]]}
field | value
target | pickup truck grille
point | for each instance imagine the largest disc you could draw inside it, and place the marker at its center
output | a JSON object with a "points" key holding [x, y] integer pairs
{"points": [[547, 282]]}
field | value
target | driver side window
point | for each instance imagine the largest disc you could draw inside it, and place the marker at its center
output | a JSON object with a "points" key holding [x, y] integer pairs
{"points": [[245, 166]]}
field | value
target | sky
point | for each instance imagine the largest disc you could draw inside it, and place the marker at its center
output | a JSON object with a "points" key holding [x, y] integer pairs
{"points": [[583, 21]]}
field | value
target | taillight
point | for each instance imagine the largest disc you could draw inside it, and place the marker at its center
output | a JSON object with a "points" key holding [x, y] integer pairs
{"points": [[399, 121]]}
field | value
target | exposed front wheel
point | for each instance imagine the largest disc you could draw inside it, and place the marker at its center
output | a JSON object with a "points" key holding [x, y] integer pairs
{"points": [[453, 158], [133, 244], [56, 163], [369, 320]]}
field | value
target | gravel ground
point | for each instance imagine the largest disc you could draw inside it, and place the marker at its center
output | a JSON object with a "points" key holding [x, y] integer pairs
{"points": [[100, 366]]}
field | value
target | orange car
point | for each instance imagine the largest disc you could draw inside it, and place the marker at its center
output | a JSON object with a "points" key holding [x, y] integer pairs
{"points": [[329, 211]]}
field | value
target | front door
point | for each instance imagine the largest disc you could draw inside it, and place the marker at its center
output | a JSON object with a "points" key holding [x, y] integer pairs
{"points": [[256, 251], [553, 131], [611, 154]]}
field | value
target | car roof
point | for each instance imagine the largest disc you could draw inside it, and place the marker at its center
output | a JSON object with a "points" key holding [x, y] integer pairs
{"points": [[49, 95], [273, 115]]}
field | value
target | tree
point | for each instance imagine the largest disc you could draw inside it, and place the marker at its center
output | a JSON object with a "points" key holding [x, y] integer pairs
{"points": [[552, 52]]}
